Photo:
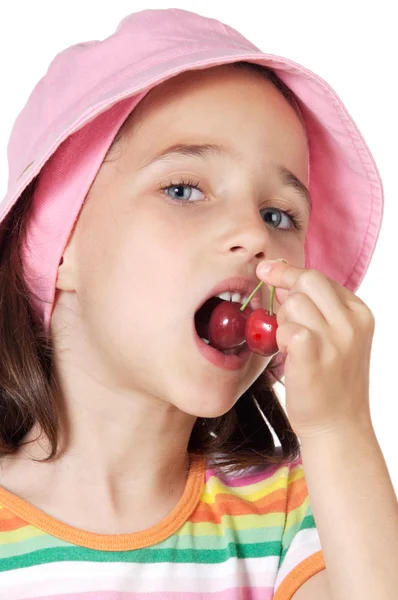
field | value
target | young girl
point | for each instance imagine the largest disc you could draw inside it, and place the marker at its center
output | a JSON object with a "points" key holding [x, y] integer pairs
{"points": [[149, 173]]}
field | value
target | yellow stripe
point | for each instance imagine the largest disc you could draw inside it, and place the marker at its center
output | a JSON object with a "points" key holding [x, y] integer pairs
{"points": [[20, 535]]}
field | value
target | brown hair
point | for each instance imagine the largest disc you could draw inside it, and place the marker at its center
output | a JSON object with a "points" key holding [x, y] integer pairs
{"points": [[239, 439]]}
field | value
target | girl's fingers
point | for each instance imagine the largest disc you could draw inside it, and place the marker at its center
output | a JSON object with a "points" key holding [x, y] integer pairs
{"points": [[329, 297], [300, 309], [292, 338]]}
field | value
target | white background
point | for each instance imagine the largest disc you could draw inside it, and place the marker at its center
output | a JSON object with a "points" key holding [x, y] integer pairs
{"points": [[351, 44]]}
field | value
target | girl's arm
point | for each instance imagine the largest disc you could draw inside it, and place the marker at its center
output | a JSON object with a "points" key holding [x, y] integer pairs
{"points": [[326, 332], [356, 512]]}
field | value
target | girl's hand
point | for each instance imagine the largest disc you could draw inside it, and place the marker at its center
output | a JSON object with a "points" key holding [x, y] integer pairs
{"points": [[326, 332]]}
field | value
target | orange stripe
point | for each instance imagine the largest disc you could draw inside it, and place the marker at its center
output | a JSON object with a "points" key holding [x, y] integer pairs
{"points": [[12, 524], [5, 515], [296, 494], [300, 574], [275, 502]]}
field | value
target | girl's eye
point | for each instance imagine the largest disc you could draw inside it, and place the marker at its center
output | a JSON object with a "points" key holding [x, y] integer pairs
{"points": [[276, 217], [184, 191]]}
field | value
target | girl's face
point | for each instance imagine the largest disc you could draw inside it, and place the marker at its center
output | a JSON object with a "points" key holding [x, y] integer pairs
{"points": [[155, 235]]}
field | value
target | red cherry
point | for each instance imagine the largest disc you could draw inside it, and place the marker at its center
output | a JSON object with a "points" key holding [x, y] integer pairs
{"points": [[261, 329], [227, 325]]}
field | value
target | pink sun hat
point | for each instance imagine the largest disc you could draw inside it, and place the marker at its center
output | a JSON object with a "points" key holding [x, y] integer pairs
{"points": [[76, 109]]}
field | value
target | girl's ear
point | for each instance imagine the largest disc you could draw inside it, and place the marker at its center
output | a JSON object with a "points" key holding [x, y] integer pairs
{"points": [[66, 272]]}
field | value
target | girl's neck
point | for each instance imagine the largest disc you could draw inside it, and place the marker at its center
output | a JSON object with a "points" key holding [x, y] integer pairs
{"points": [[87, 497]]}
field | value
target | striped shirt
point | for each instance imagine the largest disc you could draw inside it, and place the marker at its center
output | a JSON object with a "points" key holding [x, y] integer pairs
{"points": [[249, 537]]}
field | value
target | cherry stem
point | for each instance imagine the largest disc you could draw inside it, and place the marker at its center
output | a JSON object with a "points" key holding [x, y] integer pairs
{"points": [[271, 302]]}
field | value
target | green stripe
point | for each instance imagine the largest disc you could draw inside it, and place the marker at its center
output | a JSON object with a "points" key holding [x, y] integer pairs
{"points": [[307, 523], [76, 553], [225, 535]]}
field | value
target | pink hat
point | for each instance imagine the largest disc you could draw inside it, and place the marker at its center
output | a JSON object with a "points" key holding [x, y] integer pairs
{"points": [[89, 90]]}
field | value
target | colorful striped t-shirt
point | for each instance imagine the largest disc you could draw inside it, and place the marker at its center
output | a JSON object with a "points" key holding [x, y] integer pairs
{"points": [[246, 537]]}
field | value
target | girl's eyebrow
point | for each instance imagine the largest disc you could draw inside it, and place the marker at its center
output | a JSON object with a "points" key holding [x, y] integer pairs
{"points": [[202, 151]]}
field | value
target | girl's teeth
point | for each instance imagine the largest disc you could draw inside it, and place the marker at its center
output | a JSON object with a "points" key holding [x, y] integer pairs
{"points": [[233, 297], [205, 341], [225, 296]]}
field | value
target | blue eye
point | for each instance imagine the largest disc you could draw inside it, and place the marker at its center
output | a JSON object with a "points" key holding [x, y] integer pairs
{"points": [[183, 191], [277, 216]]}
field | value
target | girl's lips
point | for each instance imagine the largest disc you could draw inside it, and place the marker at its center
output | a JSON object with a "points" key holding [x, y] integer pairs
{"points": [[229, 362]]}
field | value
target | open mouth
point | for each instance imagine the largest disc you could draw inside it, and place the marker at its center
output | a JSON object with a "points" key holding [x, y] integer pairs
{"points": [[202, 318]]}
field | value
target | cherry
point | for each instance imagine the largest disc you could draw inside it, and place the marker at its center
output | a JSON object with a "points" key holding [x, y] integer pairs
{"points": [[261, 327], [232, 324], [227, 325]]}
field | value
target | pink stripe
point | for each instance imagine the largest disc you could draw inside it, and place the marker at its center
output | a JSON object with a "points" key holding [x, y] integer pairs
{"points": [[249, 479], [242, 593]]}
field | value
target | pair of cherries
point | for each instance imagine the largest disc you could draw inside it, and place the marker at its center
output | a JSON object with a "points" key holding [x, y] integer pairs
{"points": [[232, 324]]}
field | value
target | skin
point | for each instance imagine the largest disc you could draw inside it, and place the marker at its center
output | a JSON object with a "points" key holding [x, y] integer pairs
{"points": [[135, 269]]}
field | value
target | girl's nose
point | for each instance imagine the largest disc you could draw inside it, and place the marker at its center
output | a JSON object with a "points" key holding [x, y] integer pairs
{"points": [[249, 235]]}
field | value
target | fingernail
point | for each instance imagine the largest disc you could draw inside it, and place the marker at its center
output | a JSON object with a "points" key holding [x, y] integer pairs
{"points": [[266, 266]]}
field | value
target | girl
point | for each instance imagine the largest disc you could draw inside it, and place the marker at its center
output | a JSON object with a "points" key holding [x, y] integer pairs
{"points": [[149, 173]]}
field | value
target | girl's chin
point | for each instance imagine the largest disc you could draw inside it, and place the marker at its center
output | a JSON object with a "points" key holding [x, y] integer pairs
{"points": [[215, 405]]}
